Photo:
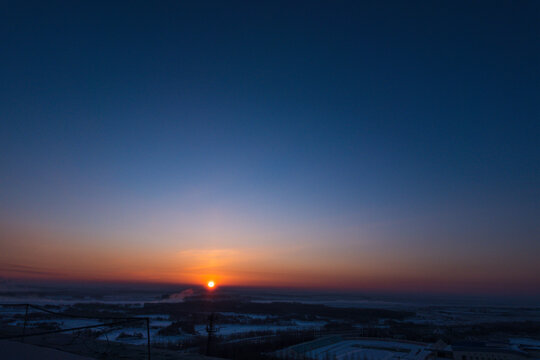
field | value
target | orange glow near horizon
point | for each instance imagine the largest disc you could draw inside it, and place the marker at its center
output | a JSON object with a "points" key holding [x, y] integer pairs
{"points": [[41, 253]]}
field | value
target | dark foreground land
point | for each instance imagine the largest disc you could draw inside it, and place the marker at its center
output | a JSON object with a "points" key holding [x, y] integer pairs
{"points": [[79, 347], [248, 330]]}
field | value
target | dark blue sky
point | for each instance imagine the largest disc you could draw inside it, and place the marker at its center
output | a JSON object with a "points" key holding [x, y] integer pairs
{"points": [[361, 127]]}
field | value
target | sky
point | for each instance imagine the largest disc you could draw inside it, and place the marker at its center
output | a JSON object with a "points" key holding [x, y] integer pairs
{"points": [[336, 145]]}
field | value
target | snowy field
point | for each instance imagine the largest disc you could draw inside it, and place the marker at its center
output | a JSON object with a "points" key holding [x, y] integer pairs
{"points": [[137, 333]]}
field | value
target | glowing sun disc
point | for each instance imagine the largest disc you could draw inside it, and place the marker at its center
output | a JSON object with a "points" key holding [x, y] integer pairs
{"points": [[211, 284]]}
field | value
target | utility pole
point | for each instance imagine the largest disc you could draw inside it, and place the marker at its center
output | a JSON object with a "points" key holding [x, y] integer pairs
{"points": [[25, 321], [210, 329]]}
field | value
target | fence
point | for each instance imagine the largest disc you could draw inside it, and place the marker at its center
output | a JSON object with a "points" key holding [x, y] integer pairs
{"points": [[112, 321]]}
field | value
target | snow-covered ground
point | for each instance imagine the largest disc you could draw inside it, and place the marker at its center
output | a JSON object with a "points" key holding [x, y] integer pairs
{"points": [[459, 315], [525, 341], [137, 333], [229, 329]]}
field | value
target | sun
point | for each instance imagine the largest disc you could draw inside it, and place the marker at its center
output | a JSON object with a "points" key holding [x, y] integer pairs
{"points": [[211, 284]]}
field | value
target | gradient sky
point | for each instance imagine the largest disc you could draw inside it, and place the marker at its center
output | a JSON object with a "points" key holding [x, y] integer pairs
{"points": [[360, 145]]}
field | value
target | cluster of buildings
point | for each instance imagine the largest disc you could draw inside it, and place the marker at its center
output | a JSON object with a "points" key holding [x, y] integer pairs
{"points": [[340, 347]]}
